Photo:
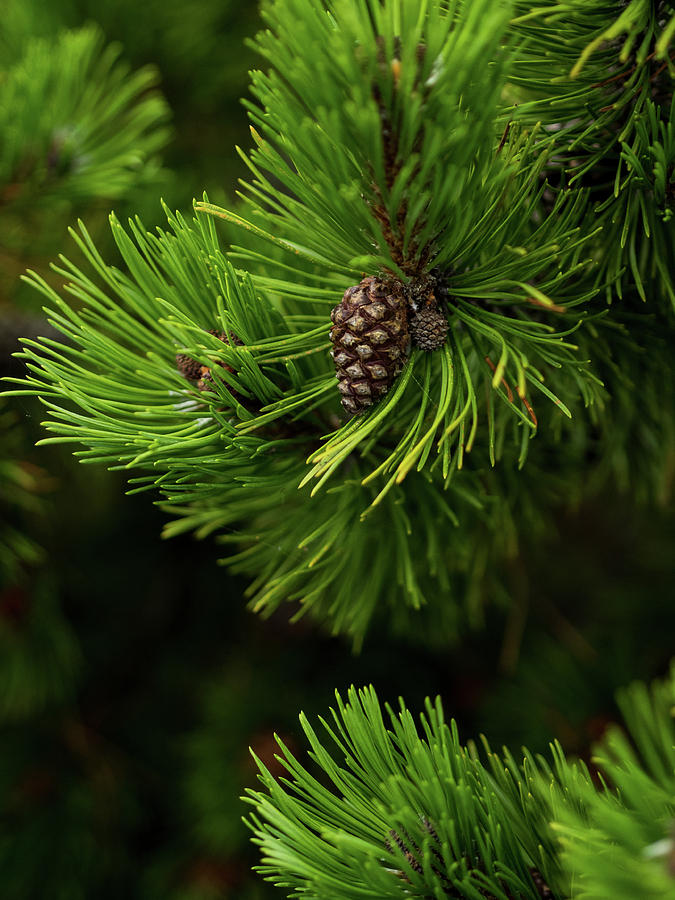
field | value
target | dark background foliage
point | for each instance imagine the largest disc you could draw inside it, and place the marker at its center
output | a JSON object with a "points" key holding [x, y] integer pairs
{"points": [[133, 680]]}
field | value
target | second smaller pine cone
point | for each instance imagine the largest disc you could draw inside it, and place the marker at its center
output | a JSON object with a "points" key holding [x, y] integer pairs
{"points": [[429, 328], [370, 341]]}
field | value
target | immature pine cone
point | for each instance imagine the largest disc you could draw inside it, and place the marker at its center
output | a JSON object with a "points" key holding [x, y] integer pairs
{"points": [[370, 337], [188, 367], [194, 371], [429, 328]]}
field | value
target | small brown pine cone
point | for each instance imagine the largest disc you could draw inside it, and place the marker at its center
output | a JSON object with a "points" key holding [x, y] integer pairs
{"points": [[205, 383], [370, 341], [188, 367], [191, 369], [429, 329], [195, 371], [205, 377]]}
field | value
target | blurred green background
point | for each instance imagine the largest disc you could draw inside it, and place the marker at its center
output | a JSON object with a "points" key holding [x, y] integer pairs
{"points": [[132, 679]]}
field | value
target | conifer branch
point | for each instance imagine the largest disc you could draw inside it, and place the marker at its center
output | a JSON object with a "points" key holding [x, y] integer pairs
{"points": [[380, 150], [76, 123], [386, 808]]}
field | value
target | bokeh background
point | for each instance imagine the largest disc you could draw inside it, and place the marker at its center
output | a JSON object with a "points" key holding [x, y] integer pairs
{"points": [[132, 679]]}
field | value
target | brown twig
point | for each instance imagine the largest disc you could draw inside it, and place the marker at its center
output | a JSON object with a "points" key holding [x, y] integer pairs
{"points": [[393, 231]]}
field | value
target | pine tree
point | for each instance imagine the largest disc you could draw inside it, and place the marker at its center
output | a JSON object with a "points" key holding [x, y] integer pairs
{"points": [[470, 205], [383, 146]]}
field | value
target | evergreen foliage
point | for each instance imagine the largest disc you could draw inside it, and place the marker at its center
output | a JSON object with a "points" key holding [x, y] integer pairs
{"points": [[518, 158], [204, 66], [75, 121], [615, 66], [384, 808], [78, 127], [622, 844], [383, 145]]}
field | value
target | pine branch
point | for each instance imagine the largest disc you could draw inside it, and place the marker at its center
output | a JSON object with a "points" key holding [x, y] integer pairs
{"points": [[383, 808], [380, 150], [622, 148], [76, 123], [228, 459], [441, 151]]}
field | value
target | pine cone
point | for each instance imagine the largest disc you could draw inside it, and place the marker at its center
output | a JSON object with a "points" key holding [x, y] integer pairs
{"points": [[188, 367], [429, 329], [195, 371], [206, 379], [370, 337]]}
